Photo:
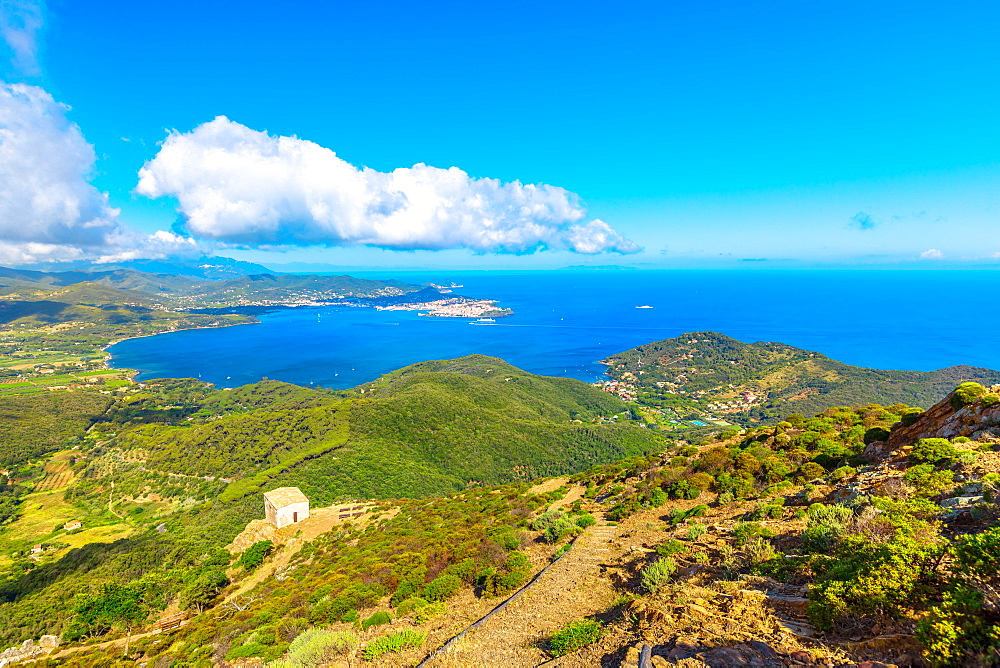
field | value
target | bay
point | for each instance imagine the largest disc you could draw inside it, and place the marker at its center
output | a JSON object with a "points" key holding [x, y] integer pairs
{"points": [[565, 321]]}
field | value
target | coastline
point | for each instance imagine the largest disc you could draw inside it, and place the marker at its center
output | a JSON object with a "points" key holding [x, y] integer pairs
{"points": [[168, 331]]}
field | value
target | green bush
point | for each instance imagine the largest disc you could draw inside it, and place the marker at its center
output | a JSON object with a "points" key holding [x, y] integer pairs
{"points": [[842, 473], [510, 576], [585, 520], [959, 631], [546, 520], [254, 555], [407, 606], [928, 481], [695, 531], [965, 394], [657, 574], [251, 649], [826, 523], [811, 471], [990, 399], [429, 612], [376, 619], [936, 451], [744, 531], [442, 588], [670, 548], [392, 642], [575, 635], [910, 416], [872, 579], [315, 647]]}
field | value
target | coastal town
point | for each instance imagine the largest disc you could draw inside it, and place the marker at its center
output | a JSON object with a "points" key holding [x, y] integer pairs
{"points": [[453, 307]]}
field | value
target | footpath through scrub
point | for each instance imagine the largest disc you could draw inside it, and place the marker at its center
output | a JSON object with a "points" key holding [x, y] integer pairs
{"points": [[575, 586]]}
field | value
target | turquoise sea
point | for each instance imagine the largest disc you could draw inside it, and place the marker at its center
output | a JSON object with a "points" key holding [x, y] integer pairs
{"points": [[565, 321]]}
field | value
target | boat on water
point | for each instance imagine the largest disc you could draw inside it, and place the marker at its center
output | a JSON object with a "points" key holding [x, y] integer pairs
{"points": [[483, 321], [644, 307]]}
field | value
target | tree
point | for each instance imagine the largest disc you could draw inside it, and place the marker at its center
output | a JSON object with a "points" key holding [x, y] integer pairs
{"points": [[116, 605]]}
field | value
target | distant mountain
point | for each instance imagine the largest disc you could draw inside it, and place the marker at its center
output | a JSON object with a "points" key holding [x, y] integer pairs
{"points": [[764, 380], [168, 290], [207, 267]]}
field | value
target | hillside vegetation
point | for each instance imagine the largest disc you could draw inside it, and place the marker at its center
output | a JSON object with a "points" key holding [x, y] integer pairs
{"points": [[750, 382], [803, 543], [431, 428]]}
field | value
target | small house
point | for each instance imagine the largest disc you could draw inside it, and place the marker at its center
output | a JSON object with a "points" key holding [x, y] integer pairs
{"points": [[285, 505], [35, 549], [73, 524]]}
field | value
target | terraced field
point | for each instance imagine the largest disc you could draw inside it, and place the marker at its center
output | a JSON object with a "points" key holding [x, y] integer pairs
{"points": [[57, 476]]}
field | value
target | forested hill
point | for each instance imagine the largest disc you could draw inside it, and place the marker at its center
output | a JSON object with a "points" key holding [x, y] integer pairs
{"points": [[431, 428], [764, 380]]}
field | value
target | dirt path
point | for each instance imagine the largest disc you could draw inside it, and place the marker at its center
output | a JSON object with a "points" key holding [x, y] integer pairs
{"points": [[573, 588], [117, 642]]}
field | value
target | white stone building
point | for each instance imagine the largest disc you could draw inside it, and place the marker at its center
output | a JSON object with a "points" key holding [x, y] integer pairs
{"points": [[285, 505]]}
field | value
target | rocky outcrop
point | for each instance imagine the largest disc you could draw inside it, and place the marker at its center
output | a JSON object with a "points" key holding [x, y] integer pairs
{"points": [[28, 650], [975, 421]]}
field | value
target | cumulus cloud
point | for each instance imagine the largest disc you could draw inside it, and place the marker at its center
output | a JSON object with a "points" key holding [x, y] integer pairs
{"points": [[244, 187], [20, 23], [45, 164], [931, 254], [862, 221], [160, 244]]}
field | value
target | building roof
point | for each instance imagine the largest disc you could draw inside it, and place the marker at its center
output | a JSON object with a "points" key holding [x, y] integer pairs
{"points": [[284, 496]]}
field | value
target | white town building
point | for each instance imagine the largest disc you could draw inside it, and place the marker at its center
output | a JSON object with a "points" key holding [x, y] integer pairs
{"points": [[285, 505]]}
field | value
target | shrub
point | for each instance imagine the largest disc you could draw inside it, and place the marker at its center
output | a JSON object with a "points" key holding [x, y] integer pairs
{"points": [[842, 473], [657, 574], [936, 451], [377, 619], [575, 635], [876, 434], [585, 520], [442, 587], [409, 605], [958, 632], [670, 548], [392, 642], [510, 576], [758, 550], [430, 611], [927, 481], [910, 416], [884, 574], [546, 520], [965, 394], [695, 531], [744, 531], [990, 399], [315, 647], [826, 523], [254, 555], [811, 471], [249, 650]]}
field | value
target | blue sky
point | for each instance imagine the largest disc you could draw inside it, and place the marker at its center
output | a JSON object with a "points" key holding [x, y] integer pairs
{"points": [[788, 133]]}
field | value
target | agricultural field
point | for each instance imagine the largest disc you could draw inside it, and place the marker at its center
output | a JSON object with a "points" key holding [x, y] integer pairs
{"points": [[105, 378]]}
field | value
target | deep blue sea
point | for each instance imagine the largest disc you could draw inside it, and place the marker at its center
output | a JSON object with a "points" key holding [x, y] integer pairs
{"points": [[565, 321]]}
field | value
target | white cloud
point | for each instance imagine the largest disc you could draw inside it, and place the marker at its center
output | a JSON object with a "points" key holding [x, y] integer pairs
{"points": [[45, 164], [20, 23], [158, 245], [931, 254], [244, 187]]}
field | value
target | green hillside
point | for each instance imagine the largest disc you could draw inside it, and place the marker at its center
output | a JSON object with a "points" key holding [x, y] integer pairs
{"points": [[431, 428], [764, 380]]}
